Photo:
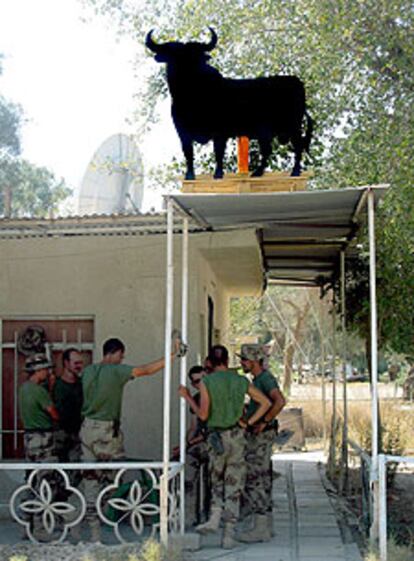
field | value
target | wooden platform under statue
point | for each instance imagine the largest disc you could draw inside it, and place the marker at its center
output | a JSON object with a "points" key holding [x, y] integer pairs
{"points": [[243, 183]]}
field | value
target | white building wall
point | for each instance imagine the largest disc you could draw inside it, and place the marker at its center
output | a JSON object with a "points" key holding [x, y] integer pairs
{"points": [[120, 281]]}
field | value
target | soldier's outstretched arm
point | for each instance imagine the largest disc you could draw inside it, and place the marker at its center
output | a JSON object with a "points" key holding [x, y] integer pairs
{"points": [[153, 367]]}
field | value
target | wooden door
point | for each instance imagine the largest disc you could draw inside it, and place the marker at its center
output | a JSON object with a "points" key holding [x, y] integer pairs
{"points": [[61, 333]]}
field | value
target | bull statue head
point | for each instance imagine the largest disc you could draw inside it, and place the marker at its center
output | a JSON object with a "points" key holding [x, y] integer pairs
{"points": [[166, 52]]}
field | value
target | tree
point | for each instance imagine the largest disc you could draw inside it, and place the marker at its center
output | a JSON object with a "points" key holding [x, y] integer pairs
{"points": [[357, 61], [29, 190], [25, 189]]}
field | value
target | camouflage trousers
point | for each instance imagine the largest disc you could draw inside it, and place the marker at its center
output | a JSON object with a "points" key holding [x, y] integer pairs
{"points": [[68, 446], [228, 472], [39, 447], [68, 449], [196, 457], [258, 489], [99, 443]]}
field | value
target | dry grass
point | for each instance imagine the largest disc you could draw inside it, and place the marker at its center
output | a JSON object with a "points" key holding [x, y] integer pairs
{"points": [[397, 433], [394, 553]]}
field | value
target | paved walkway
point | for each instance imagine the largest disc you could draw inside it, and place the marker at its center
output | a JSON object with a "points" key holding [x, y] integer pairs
{"points": [[305, 524]]}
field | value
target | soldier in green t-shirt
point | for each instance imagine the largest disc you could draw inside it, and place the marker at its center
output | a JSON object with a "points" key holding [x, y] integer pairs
{"points": [[222, 395], [258, 489], [38, 415], [37, 411], [101, 435]]}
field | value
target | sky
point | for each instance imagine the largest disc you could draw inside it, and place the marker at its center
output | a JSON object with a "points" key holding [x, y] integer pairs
{"points": [[75, 82]]}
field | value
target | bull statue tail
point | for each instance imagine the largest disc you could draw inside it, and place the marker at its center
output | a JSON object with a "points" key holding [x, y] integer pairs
{"points": [[309, 131]]}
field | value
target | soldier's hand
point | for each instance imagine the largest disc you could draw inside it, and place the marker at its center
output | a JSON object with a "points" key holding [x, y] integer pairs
{"points": [[183, 391], [257, 429]]}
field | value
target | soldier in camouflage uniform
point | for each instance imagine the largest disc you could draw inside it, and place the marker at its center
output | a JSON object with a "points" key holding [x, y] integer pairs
{"points": [[258, 489], [100, 434], [196, 450], [38, 414], [222, 395]]}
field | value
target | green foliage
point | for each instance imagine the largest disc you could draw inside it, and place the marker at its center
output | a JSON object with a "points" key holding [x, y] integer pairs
{"points": [[10, 122], [34, 190]]}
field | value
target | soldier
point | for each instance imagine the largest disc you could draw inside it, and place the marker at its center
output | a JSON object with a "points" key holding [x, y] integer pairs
{"points": [[67, 395], [101, 436], [222, 395], [260, 437], [38, 414], [196, 452]]}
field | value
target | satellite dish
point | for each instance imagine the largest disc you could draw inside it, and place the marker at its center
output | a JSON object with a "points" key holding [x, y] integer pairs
{"points": [[113, 180]]}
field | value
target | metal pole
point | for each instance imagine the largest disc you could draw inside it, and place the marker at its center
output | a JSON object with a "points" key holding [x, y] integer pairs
{"points": [[167, 376], [344, 460], [323, 387], [183, 371], [15, 389], [374, 366], [382, 474], [333, 423]]}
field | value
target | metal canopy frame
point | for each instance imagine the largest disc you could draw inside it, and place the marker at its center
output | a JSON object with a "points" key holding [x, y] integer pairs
{"points": [[301, 233], [303, 237]]}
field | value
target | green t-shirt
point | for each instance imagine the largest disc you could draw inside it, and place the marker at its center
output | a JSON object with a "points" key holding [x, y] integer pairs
{"points": [[226, 391], [103, 385], [265, 382], [33, 401], [68, 400]]}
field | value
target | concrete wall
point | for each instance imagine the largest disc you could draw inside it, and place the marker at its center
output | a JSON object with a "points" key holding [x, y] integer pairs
{"points": [[120, 281]]}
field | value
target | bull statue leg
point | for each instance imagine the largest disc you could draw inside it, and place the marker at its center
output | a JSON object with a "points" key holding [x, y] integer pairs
{"points": [[265, 144], [219, 149], [188, 150], [297, 143]]}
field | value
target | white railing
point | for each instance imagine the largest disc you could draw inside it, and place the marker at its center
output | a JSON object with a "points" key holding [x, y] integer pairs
{"points": [[383, 460], [131, 491]]}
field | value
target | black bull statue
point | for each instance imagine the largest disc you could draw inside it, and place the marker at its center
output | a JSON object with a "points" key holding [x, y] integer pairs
{"points": [[206, 106]]}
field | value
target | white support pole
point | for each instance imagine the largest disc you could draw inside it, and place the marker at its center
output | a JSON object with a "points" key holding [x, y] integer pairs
{"points": [[374, 367], [334, 415], [382, 474], [167, 376], [344, 455], [183, 371]]}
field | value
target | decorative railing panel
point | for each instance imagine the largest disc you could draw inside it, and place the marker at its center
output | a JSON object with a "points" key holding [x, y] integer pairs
{"points": [[49, 504]]}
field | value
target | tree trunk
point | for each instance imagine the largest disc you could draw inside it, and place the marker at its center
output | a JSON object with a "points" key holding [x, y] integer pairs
{"points": [[295, 339]]}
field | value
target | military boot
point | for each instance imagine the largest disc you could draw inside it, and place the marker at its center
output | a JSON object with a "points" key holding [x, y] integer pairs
{"points": [[229, 540], [270, 523], [95, 528], [40, 533], [260, 531], [75, 533], [212, 524]]}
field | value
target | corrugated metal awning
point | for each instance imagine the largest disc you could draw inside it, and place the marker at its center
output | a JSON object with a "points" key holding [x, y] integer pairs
{"points": [[301, 233], [92, 225]]}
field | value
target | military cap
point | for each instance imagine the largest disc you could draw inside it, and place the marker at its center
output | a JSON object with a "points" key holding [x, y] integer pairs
{"points": [[252, 352], [37, 362]]}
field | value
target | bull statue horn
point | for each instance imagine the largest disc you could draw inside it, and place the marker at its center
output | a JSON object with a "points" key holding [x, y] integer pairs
{"points": [[213, 41], [151, 44]]}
